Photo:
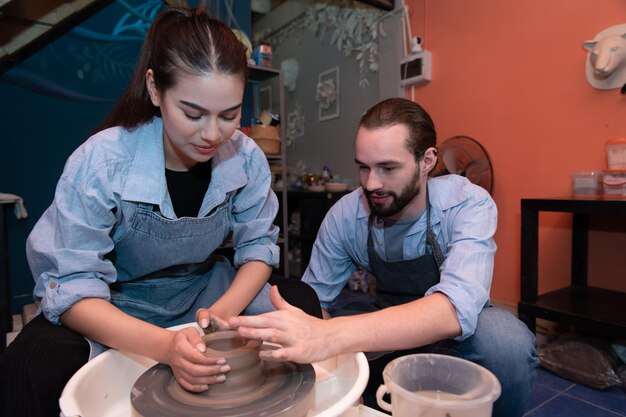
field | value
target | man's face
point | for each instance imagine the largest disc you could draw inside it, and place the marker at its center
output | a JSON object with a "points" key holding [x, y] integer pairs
{"points": [[388, 172]]}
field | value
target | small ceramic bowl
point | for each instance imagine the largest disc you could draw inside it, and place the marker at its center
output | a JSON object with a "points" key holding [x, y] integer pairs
{"points": [[316, 188], [335, 187]]}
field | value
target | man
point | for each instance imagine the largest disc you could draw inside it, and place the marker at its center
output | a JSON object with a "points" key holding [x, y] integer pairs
{"points": [[429, 243]]}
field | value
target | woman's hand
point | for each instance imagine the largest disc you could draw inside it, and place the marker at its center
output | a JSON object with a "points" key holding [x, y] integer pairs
{"points": [[304, 338], [193, 370], [210, 322]]}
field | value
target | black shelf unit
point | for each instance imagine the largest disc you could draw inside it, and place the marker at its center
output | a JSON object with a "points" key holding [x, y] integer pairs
{"points": [[312, 206], [590, 309]]}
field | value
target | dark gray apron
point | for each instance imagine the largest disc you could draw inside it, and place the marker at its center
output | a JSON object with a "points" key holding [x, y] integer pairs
{"points": [[402, 281]]}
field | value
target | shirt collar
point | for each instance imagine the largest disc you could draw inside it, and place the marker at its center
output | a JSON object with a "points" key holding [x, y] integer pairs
{"points": [[447, 191], [228, 172], [146, 180], [229, 164]]}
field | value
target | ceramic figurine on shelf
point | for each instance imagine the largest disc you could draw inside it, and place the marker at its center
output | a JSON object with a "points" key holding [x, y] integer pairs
{"points": [[325, 174]]}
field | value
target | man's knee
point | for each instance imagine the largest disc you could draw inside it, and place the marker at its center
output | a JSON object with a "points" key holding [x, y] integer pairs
{"points": [[506, 347], [504, 340]]}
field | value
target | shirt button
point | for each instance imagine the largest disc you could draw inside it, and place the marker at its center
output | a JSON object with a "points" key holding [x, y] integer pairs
{"points": [[53, 285]]}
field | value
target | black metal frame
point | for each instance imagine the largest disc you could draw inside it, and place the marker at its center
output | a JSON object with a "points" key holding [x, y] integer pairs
{"points": [[591, 309]]}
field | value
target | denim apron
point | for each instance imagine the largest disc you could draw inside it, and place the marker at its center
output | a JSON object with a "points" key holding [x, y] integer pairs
{"points": [[402, 281], [167, 269]]}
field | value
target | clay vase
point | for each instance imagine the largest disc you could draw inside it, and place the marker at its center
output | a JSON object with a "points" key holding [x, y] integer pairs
{"points": [[247, 370], [252, 387]]}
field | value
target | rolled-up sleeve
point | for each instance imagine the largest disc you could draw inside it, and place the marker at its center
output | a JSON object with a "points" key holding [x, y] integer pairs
{"points": [[66, 249], [466, 273], [254, 208]]}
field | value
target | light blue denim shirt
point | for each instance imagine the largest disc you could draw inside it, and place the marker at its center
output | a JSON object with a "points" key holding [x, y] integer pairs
{"points": [[102, 186], [464, 219]]}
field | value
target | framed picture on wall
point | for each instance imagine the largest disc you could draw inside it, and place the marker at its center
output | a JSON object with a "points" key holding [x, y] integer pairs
{"points": [[327, 94]]}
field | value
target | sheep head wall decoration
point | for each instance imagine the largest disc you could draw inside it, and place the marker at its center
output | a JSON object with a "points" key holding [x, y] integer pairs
{"points": [[606, 59]]}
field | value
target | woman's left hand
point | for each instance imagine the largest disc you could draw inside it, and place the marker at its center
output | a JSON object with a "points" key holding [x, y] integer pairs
{"points": [[209, 322], [193, 370]]}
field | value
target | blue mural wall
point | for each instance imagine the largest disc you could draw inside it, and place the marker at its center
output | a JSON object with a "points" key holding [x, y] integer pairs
{"points": [[53, 100]]}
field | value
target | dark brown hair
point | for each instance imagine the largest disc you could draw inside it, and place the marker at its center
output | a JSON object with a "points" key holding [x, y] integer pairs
{"points": [[180, 40], [393, 111]]}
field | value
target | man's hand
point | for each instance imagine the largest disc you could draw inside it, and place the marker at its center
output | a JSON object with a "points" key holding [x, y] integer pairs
{"points": [[303, 338]]}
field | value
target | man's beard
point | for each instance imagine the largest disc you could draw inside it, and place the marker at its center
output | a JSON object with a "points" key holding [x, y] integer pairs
{"points": [[398, 202]]}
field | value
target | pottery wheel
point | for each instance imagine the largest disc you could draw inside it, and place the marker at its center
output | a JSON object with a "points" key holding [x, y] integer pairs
{"points": [[279, 389]]}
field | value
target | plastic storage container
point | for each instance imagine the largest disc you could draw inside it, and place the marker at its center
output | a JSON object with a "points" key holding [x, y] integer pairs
{"points": [[587, 183], [614, 182], [616, 153], [432, 385]]}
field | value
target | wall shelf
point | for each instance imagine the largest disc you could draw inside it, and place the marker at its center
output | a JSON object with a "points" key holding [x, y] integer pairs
{"points": [[312, 207], [257, 76]]}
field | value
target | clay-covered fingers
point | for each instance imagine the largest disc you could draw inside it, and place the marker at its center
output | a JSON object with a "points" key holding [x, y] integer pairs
{"points": [[268, 327], [267, 335], [197, 378], [193, 370], [273, 320], [276, 355], [210, 322]]}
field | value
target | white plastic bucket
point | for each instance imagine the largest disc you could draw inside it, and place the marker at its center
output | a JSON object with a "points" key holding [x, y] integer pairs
{"points": [[431, 385]]}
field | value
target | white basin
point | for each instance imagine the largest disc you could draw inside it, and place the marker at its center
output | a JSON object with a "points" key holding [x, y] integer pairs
{"points": [[101, 388]]}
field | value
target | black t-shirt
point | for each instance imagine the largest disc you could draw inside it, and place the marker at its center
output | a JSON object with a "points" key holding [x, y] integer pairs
{"points": [[187, 188]]}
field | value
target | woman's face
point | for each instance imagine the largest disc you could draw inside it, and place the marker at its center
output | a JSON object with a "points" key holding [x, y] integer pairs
{"points": [[200, 113]]}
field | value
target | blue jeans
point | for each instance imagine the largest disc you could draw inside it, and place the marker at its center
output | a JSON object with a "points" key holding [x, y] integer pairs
{"points": [[501, 343]]}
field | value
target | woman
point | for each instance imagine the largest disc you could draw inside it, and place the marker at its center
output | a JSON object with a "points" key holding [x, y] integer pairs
{"points": [[127, 247]]}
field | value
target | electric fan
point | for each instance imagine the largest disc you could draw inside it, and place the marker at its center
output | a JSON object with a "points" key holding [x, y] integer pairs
{"points": [[464, 156]]}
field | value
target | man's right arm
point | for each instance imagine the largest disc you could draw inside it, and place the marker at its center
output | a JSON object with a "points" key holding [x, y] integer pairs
{"points": [[304, 338]]}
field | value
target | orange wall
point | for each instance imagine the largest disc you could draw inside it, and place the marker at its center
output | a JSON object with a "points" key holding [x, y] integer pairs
{"points": [[511, 74]]}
